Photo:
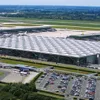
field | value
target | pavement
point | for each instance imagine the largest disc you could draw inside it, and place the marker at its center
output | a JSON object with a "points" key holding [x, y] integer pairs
{"points": [[5, 73], [83, 88], [69, 87], [29, 77], [97, 93], [11, 76]]}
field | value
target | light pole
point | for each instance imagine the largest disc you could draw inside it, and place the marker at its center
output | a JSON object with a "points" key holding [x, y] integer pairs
{"points": [[98, 58], [78, 61], [57, 60]]}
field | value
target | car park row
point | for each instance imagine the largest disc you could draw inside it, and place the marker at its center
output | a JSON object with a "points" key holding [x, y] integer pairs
{"points": [[59, 83]]}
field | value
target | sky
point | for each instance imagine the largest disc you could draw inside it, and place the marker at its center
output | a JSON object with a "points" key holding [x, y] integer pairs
{"points": [[52, 2]]}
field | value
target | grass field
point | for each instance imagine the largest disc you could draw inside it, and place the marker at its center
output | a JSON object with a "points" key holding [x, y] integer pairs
{"points": [[70, 24], [72, 70], [13, 25], [42, 64], [1, 73], [51, 95], [21, 62]]}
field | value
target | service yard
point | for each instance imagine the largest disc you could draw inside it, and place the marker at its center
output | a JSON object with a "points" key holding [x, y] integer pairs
{"points": [[14, 76], [11, 76]]}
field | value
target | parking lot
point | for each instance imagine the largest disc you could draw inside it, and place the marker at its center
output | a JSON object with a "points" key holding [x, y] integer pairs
{"points": [[68, 85], [90, 88], [53, 82]]}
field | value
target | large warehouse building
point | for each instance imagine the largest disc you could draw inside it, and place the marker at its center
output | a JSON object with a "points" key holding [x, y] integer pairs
{"points": [[91, 37], [18, 29], [59, 50]]}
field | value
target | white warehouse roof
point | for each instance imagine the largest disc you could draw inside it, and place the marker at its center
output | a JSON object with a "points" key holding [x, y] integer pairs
{"points": [[51, 45]]}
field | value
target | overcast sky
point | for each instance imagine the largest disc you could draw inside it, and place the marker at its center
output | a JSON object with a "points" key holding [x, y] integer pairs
{"points": [[51, 2]]}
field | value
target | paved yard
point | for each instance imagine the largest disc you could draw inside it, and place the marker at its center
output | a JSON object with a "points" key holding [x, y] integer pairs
{"points": [[11, 76], [14, 76], [30, 77]]}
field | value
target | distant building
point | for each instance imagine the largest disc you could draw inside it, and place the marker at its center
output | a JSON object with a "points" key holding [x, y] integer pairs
{"points": [[92, 36], [18, 29]]}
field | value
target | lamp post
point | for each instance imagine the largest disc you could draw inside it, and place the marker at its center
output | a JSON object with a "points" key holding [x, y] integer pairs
{"points": [[78, 62], [57, 60], [98, 58]]}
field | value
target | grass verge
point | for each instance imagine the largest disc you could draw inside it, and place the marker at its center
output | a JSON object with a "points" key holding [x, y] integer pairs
{"points": [[70, 24], [57, 96], [41, 64], [13, 61]]}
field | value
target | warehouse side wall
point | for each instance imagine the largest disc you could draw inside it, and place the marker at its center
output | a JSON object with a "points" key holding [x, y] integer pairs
{"points": [[39, 56], [92, 59], [52, 58]]}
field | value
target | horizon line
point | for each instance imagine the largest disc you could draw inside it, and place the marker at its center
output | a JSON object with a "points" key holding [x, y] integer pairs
{"points": [[48, 5]]}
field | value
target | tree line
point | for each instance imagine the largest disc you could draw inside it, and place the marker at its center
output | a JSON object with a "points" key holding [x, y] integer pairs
{"points": [[52, 12], [19, 91]]}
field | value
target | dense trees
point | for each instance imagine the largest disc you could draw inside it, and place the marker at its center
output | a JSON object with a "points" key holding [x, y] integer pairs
{"points": [[52, 12], [7, 96], [17, 90], [20, 91]]}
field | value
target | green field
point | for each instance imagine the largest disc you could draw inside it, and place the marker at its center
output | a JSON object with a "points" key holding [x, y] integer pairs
{"points": [[25, 24], [1, 73], [42, 64], [51, 95], [21, 62], [70, 24]]}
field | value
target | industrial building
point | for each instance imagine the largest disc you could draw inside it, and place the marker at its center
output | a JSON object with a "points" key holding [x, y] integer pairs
{"points": [[91, 37], [59, 50], [17, 29]]}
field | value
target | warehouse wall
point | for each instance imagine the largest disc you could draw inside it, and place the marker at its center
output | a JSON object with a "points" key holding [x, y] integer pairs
{"points": [[98, 58], [39, 56], [92, 59], [52, 58]]}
